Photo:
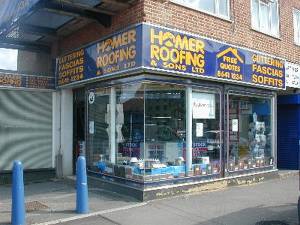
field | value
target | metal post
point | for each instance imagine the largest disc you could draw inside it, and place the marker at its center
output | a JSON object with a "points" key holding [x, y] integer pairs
{"points": [[82, 201], [18, 204]]}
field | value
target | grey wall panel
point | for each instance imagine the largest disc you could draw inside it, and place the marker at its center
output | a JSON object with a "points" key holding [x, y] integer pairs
{"points": [[25, 129]]}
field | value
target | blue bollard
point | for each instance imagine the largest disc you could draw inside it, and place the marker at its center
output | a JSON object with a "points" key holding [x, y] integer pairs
{"points": [[82, 201], [18, 204]]}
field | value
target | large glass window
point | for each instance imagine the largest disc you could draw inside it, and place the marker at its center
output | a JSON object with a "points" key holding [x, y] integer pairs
{"points": [[98, 138], [130, 131], [297, 26], [150, 131], [217, 7], [165, 131], [206, 133], [250, 132], [265, 16]]}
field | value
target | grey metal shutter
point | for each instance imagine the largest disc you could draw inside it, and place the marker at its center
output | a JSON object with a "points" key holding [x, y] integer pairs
{"points": [[25, 129]]}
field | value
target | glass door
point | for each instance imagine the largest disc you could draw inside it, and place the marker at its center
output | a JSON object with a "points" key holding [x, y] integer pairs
{"points": [[250, 130], [98, 128], [206, 132]]}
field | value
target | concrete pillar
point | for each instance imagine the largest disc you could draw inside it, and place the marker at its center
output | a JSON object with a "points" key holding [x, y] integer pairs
{"points": [[55, 125], [67, 131], [189, 117]]}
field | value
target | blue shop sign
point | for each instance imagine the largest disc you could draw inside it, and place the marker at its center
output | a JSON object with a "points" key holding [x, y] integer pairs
{"points": [[161, 49], [174, 51], [14, 80], [117, 53]]}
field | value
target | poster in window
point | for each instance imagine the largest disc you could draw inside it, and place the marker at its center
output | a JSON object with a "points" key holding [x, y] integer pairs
{"points": [[199, 129], [204, 106], [292, 75]]}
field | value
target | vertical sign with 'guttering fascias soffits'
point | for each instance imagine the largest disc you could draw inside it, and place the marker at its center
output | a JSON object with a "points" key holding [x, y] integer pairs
{"points": [[161, 49]]}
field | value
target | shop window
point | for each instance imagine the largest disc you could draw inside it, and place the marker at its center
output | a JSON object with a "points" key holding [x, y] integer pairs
{"points": [[297, 26], [206, 142], [130, 131], [265, 16], [216, 7], [98, 138], [164, 131], [250, 133]]}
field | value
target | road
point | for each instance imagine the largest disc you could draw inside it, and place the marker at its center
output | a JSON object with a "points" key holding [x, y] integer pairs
{"points": [[273, 200]]}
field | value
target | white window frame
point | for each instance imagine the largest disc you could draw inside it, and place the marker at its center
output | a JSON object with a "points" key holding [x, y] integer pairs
{"points": [[269, 30], [216, 12], [296, 26]]}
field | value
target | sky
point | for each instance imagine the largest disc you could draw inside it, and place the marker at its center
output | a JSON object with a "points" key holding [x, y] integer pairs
{"points": [[8, 59]]}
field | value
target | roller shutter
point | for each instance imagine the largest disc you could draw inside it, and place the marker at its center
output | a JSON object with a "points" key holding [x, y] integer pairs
{"points": [[25, 129]]}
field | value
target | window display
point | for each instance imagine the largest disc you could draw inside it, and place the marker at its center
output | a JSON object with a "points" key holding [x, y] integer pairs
{"points": [[250, 132], [98, 141], [139, 132]]}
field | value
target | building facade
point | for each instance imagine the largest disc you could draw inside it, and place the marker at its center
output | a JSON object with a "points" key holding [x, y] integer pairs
{"points": [[170, 92]]}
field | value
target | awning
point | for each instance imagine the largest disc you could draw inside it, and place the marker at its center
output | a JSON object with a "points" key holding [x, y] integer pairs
{"points": [[36, 24]]}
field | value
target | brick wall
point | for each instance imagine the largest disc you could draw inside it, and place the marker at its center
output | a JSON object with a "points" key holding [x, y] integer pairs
{"points": [[237, 31]]}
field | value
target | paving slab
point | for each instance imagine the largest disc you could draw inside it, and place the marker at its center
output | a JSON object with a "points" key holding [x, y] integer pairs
{"points": [[56, 199]]}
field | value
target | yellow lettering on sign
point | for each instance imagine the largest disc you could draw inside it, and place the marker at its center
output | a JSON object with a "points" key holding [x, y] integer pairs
{"points": [[177, 51], [123, 39], [179, 41], [261, 59]]}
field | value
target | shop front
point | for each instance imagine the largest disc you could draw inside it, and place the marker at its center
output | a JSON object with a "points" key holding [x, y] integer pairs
{"points": [[169, 107]]}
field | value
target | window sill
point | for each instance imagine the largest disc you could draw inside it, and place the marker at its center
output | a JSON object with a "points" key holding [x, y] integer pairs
{"points": [[227, 19], [267, 34]]}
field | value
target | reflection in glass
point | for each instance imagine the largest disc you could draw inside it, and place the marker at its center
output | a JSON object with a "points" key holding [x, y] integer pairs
{"points": [[223, 8], [264, 17], [250, 133], [274, 19], [130, 130], [165, 130], [98, 138], [208, 5], [255, 14]]}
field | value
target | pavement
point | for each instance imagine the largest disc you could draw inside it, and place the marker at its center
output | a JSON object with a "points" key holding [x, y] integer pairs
{"points": [[54, 203]]}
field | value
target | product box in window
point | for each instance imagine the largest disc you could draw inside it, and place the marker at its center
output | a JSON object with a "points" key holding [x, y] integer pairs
{"points": [[241, 165], [231, 166], [109, 169], [208, 169], [128, 172], [262, 162], [258, 161], [197, 170]]}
